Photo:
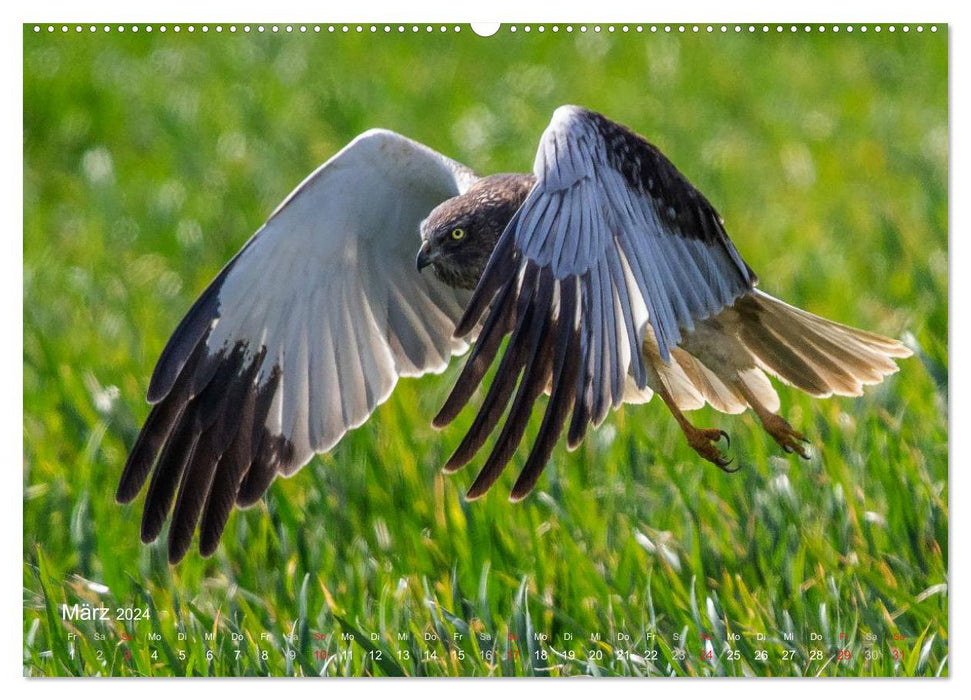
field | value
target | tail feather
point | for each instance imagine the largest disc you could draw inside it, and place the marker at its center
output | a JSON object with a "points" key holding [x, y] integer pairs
{"points": [[844, 366], [729, 356], [776, 357], [819, 356]]}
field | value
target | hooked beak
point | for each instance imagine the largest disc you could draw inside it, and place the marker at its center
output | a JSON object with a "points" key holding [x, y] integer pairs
{"points": [[426, 256]]}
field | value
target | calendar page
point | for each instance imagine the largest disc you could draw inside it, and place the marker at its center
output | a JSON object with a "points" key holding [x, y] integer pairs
{"points": [[556, 349]]}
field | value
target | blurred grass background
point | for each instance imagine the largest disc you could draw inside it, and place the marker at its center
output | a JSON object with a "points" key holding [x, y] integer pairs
{"points": [[149, 159]]}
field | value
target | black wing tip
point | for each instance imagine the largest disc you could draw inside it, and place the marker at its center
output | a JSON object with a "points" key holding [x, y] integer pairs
{"points": [[519, 494], [526, 482], [452, 466], [206, 429], [131, 481], [132, 477], [150, 533], [462, 455], [476, 491], [275, 457], [465, 326], [249, 498], [577, 433], [178, 549], [208, 547], [215, 517], [155, 392], [126, 492], [439, 424], [191, 334], [443, 418], [180, 543]]}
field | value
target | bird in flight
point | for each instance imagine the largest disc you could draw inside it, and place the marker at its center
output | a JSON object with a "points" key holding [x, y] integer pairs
{"points": [[611, 275]]}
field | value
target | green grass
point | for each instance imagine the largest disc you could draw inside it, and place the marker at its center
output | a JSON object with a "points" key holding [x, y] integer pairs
{"points": [[150, 158]]}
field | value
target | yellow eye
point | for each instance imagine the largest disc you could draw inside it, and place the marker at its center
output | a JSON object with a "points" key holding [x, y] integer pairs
{"points": [[458, 234]]}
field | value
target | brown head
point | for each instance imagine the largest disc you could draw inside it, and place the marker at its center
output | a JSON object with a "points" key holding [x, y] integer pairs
{"points": [[460, 233]]}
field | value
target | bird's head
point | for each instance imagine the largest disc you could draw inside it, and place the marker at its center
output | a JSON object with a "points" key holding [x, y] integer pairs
{"points": [[460, 233]]}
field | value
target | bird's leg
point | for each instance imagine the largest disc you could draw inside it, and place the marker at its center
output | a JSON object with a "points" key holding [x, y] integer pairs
{"points": [[775, 425], [702, 440]]}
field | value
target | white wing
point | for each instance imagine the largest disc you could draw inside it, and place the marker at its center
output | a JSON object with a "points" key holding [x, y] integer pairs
{"points": [[611, 238], [299, 337]]}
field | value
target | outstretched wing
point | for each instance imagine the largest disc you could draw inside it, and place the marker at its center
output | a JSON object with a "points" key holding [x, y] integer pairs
{"points": [[611, 238], [298, 339]]}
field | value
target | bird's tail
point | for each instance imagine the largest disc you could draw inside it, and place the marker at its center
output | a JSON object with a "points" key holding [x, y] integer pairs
{"points": [[818, 356]]}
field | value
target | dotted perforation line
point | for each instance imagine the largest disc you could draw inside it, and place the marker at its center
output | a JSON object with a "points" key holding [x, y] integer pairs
{"points": [[726, 28], [249, 28], [415, 29]]}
